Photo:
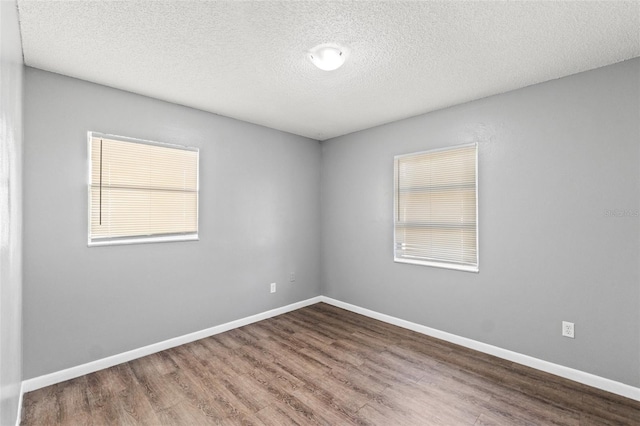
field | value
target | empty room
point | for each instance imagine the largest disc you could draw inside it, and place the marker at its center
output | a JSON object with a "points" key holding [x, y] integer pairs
{"points": [[319, 212]]}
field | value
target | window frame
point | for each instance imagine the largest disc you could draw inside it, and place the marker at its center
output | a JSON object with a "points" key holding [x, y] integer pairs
{"points": [[146, 239], [435, 262]]}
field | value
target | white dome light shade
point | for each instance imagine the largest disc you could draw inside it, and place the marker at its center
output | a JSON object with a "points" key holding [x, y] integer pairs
{"points": [[327, 57]]}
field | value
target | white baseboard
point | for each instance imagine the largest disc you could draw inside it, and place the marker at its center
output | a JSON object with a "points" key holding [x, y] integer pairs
{"points": [[91, 367], [22, 391], [549, 367]]}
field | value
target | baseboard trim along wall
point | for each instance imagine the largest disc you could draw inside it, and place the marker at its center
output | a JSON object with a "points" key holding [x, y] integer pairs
{"points": [[91, 367], [549, 367]]}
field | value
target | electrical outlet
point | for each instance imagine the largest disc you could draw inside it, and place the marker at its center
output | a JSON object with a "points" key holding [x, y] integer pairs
{"points": [[273, 287], [568, 329], [292, 277]]}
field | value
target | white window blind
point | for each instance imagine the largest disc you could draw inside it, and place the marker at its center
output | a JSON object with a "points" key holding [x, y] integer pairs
{"points": [[436, 214], [141, 191]]}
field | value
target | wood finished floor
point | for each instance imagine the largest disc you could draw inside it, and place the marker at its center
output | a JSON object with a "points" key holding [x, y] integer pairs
{"points": [[323, 365]]}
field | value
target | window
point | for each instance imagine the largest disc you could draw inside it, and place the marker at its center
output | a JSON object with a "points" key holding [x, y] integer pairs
{"points": [[436, 208], [141, 191]]}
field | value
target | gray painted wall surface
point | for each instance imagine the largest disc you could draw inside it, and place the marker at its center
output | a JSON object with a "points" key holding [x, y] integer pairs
{"points": [[11, 78], [553, 158], [259, 220]]}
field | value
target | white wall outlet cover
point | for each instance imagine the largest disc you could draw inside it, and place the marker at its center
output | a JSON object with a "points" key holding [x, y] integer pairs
{"points": [[273, 287], [568, 329]]}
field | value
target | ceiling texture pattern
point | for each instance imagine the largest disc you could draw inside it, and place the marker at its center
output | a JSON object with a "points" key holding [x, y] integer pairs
{"points": [[247, 59]]}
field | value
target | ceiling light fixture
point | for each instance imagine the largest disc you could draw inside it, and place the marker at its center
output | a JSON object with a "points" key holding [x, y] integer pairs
{"points": [[327, 57]]}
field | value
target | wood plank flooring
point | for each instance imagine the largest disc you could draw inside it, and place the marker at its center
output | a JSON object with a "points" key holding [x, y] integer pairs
{"points": [[323, 365]]}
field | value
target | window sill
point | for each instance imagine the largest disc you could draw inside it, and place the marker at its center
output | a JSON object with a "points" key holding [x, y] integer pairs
{"points": [[143, 240], [444, 265]]}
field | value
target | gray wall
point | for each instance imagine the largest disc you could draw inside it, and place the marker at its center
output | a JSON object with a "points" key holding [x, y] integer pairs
{"points": [[11, 77], [553, 158], [259, 221]]}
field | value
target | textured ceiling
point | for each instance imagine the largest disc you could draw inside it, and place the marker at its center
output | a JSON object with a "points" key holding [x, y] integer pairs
{"points": [[247, 59]]}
